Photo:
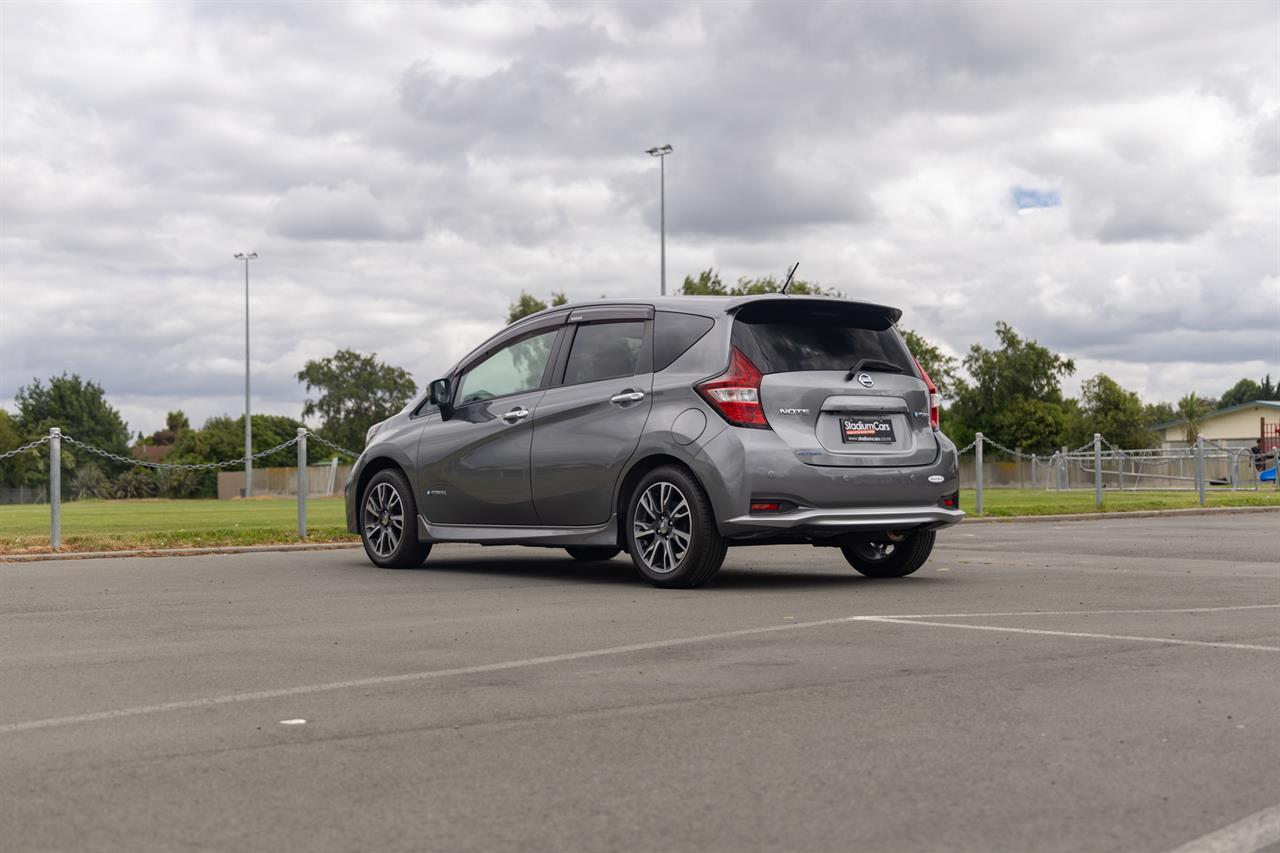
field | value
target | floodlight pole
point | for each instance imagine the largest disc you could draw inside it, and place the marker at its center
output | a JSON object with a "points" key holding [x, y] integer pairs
{"points": [[248, 422], [661, 153]]}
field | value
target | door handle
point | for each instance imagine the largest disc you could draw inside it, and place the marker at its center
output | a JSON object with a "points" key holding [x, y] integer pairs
{"points": [[517, 414], [627, 397]]}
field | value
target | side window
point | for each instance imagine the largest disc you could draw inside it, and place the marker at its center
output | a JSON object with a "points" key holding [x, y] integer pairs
{"points": [[604, 351], [674, 333], [512, 369]]}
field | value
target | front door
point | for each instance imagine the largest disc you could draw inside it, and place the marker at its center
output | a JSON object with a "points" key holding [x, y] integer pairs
{"points": [[589, 421], [475, 465]]}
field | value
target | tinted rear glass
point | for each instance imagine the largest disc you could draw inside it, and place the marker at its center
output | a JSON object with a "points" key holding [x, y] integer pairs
{"points": [[674, 333], [779, 337], [604, 351]]}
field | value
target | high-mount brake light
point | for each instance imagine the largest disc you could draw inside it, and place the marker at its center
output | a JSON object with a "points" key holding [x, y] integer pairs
{"points": [[735, 394], [935, 399]]}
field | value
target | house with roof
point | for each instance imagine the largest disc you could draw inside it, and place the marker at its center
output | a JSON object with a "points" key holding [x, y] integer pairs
{"points": [[1234, 426]]}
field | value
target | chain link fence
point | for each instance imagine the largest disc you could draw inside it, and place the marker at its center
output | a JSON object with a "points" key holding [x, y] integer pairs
{"points": [[55, 438], [1100, 465]]}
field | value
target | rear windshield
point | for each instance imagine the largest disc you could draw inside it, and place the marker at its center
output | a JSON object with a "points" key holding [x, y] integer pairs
{"points": [[781, 337]]}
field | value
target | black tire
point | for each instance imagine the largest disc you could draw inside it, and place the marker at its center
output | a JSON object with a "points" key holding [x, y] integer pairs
{"points": [[388, 543], [593, 555], [655, 533], [890, 559]]}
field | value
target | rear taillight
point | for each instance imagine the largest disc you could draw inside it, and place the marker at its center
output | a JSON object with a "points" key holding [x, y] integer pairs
{"points": [[935, 399], [735, 394]]}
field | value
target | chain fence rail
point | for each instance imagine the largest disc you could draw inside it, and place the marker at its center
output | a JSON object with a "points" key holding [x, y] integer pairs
{"points": [[1098, 464], [55, 438]]}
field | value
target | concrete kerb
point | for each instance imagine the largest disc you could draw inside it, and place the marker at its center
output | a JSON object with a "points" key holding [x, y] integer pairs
{"points": [[1121, 514], [337, 546], [176, 552]]}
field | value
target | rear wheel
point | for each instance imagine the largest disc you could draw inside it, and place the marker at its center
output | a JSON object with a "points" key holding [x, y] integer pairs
{"points": [[877, 559], [593, 555], [671, 530], [388, 522]]}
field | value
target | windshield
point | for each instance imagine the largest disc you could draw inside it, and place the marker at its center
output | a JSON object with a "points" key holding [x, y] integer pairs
{"points": [[782, 337]]}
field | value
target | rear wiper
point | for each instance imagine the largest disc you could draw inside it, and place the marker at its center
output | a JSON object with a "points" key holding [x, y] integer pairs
{"points": [[872, 364]]}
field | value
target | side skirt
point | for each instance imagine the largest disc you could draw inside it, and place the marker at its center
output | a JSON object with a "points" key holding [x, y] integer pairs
{"points": [[603, 535]]}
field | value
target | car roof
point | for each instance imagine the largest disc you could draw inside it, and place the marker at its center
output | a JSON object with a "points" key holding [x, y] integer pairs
{"points": [[715, 306]]}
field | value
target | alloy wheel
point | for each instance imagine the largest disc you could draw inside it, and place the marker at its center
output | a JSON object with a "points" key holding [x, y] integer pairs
{"points": [[383, 519], [662, 527], [874, 552]]}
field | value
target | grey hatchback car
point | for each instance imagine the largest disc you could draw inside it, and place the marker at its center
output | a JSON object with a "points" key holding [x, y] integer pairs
{"points": [[670, 428]]}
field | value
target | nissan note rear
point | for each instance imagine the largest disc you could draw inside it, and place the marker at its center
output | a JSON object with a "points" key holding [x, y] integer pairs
{"points": [[670, 429]]}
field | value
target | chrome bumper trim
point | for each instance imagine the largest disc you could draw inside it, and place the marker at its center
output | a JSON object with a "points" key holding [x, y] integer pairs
{"points": [[855, 518]]}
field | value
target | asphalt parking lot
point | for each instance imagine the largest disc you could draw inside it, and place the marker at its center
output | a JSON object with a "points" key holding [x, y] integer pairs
{"points": [[1092, 685]]}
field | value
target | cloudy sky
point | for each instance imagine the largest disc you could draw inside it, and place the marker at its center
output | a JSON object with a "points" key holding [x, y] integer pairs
{"points": [[1104, 177]]}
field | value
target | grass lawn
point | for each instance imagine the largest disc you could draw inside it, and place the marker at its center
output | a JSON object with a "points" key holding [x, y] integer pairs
{"points": [[1012, 502], [114, 525], [120, 525]]}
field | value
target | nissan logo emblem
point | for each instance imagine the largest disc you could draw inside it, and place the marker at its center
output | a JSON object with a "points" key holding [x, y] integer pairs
{"points": [[865, 381]]}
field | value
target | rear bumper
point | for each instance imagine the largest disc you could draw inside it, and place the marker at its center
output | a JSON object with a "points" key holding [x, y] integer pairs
{"points": [[740, 466]]}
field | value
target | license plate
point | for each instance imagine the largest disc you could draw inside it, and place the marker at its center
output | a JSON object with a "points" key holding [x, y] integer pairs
{"points": [[866, 430]]}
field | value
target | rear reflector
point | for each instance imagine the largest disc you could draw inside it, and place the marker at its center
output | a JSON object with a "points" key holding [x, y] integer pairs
{"points": [[735, 394], [765, 506], [951, 501]]}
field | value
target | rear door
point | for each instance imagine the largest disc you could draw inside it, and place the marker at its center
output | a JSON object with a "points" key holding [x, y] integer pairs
{"points": [[588, 423], [840, 386]]}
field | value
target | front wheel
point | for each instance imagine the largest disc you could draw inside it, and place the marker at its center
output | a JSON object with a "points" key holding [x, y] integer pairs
{"points": [[877, 559], [389, 522], [671, 530]]}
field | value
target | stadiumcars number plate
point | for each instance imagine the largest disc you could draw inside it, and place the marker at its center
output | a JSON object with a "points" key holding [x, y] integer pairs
{"points": [[866, 430]]}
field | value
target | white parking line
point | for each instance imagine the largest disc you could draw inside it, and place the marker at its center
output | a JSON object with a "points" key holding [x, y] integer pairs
{"points": [[302, 690], [1168, 641], [1248, 835], [233, 698], [1223, 609]]}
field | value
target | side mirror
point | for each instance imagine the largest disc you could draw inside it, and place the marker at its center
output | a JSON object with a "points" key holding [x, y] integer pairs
{"points": [[442, 396]]}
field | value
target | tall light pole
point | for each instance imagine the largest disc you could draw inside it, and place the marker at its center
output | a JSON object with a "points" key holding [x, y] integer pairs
{"points": [[661, 153], [248, 423]]}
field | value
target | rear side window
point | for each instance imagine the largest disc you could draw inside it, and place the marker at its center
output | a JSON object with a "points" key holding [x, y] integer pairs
{"points": [[674, 333], [604, 351], [780, 337]]}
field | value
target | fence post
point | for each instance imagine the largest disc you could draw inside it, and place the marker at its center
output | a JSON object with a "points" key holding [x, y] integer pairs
{"points": [[977, 469], [1200, 484], [1097, 469], [1062, 469], [55, 487], [1017, 461], [302, 482], [1033, 472], [1276, 451], [1120, 458]]}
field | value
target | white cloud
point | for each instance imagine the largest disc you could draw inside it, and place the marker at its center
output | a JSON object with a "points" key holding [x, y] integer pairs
{"points": [[404, 171]]}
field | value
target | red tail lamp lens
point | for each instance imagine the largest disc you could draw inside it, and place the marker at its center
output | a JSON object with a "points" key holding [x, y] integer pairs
{"points": [[735, 394], [935, 399]]}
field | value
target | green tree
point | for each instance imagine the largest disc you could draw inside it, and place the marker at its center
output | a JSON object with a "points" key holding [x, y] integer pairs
{"points": [[20, 469], [81, 409], [708, 283], [528, 304], [1158, 413], [1115, 413], [222, 438], [356, 392], [1015, 395], [940, 366], [1267, 390], [1244, 391], [1192, 409]]}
